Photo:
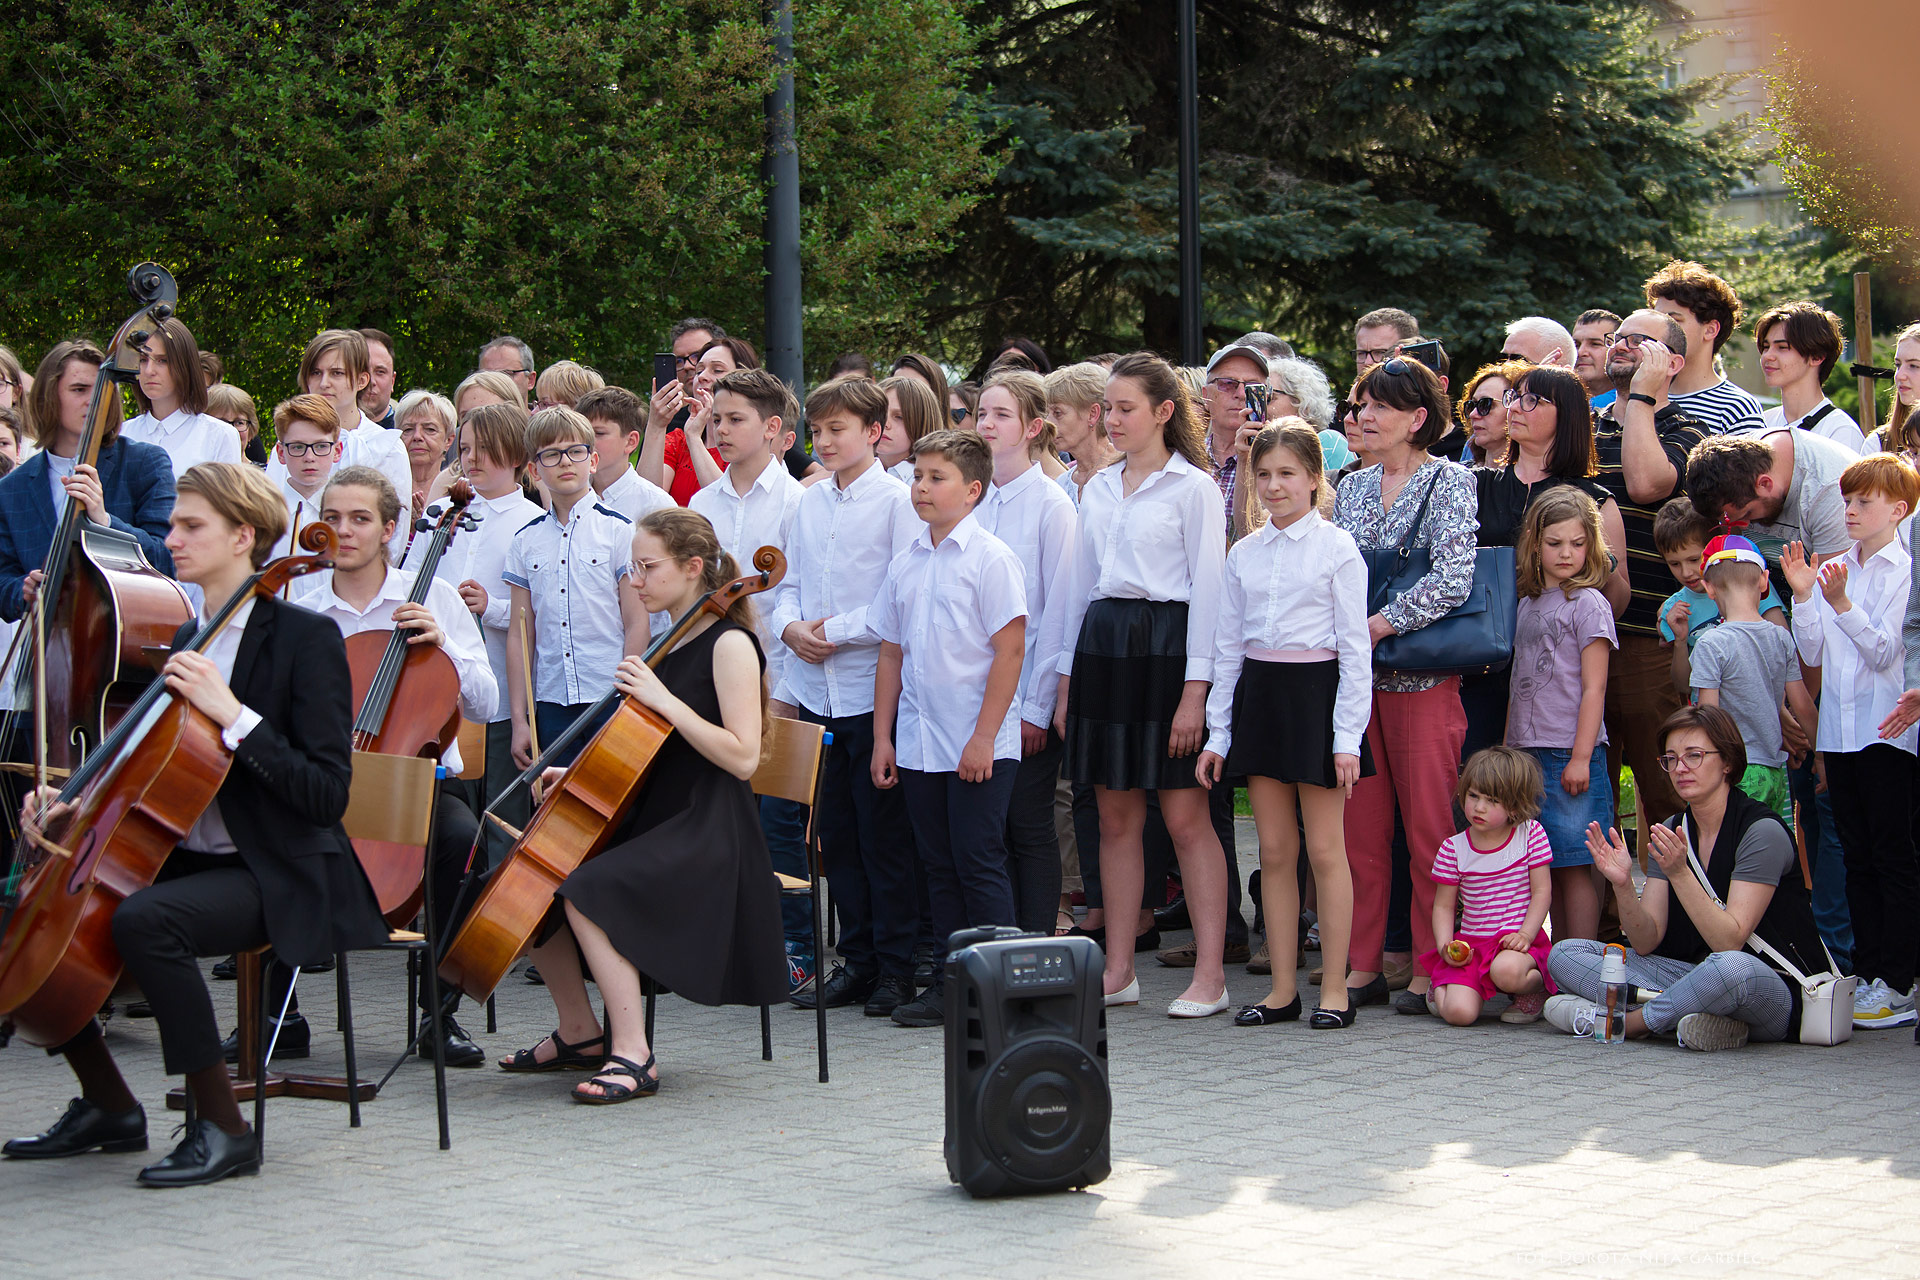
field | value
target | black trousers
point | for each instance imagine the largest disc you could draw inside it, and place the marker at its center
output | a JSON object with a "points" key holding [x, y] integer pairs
{"points": [[1873, 795], [961, 830], [201, 905], [1033, 850], [454, 829], [867, 844]]}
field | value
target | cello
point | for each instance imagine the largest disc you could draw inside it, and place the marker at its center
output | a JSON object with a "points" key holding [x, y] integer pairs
{"points": [[408, 700], [105, 607], [130, 802], [580, 811]]}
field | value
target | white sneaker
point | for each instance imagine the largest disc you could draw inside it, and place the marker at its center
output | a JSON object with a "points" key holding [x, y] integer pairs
{"points": [[1708, 1032], [1883, 1008], [1866, 996], [1571, 1014]]}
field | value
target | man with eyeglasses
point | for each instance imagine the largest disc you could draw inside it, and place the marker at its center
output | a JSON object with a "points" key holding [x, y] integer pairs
{"points": [[1379, 335], [509, 355], [1641, 442], [1590, 334]]}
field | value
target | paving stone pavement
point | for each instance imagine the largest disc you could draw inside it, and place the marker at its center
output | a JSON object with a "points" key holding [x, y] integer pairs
{"points": [[1400, 1147]]}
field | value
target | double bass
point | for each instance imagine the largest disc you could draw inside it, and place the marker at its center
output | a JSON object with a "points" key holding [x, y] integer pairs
{"points": [[580, 811], [130, 802], [104, 607], [408, 700]]}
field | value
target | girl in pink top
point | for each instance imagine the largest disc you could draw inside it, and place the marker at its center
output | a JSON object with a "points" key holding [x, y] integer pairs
{"points": [[1496, 872]]}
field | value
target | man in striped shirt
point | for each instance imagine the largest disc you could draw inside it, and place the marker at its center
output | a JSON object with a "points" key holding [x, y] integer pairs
{"points": [[1642, 441], [1706, 308]]}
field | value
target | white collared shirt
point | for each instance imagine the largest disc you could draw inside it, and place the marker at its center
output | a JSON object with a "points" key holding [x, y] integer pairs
{"points": [[1302, 587], [1167, 540], [367, 445], [903, 470], [1860, 653], [209, 834], [479, 555], [1035, 518], [633, 496], [460, 635], [301, 512], [745, 522], [188, 438], [841, 543], [573, 572], [943, 605]]}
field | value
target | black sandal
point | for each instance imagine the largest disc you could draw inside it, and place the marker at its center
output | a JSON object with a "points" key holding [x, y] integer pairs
{"points": [[568, 1057], [1331, 1019], [646, 1082]]}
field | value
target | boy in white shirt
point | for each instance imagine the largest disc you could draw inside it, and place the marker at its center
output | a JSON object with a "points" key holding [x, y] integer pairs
{"points": [[752, 505], [845, 535], [952, 619], [1852, 633], [568, 573], [334, 365], [1035, 518], [616, 416], [1799, 344], [492, 444], [307, 446], [172, 391]]}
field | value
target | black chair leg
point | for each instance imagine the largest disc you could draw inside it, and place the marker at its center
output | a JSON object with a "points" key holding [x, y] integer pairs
{"points": [[652, 996], [492, 1025], [261, 1038], [766, 1033], [438, 1017], [819, 1005], [413, 995], [346, 1035]]}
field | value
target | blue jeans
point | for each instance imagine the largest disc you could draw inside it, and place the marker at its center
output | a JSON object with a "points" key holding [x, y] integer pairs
{"points": [[785, 825], [554, 718], [1824, 859]]}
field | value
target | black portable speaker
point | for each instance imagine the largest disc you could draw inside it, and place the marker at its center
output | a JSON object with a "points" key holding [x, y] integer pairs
{"points": [[1027, 1097]]}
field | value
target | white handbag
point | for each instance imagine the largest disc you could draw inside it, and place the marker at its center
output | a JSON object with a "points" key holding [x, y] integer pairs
{"points": [[1826, 999]]}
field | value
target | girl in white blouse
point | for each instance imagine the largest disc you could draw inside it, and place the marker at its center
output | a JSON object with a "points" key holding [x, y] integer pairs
{"points": [[1142, 604], [1292, 691]]}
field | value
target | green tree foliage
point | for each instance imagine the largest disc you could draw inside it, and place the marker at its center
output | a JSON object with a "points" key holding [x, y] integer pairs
{"points": [[578, 172], [1470, 160]]}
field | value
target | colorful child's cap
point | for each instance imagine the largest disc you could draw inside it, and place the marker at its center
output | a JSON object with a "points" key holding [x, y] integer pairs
{"points": [[1731, 546]]}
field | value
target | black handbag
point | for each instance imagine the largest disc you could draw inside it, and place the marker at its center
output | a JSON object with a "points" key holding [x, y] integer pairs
{"points": [[1474, 638]]}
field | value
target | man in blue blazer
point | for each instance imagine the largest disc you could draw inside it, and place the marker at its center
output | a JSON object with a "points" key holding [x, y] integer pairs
{"points": [[130, 488]]}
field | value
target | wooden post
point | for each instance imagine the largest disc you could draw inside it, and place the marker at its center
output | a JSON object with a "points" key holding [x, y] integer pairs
{"points": [[1863, 348]]}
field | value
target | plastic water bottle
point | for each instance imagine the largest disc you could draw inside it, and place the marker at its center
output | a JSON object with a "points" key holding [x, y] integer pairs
{"points": [[1610, 1013]]}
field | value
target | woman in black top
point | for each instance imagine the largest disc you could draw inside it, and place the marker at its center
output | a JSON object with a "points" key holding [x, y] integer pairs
{"points": [[1690, 940], [1549, 444]]}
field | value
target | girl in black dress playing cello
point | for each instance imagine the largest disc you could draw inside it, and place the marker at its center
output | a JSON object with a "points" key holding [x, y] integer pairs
{"points": [[686, 894]]}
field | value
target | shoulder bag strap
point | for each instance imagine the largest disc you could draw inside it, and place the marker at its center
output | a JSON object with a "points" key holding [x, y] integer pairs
{"points": [[1807, 423], [1420, 513], [1754, 939]]}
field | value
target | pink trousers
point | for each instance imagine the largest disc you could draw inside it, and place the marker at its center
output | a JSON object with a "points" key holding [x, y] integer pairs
{"points": [[1414, 739]]}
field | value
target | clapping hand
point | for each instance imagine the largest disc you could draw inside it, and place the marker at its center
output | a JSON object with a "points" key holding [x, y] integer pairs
{"points": [[1798, 571], [1669, 848], [1833, 584], [1610, 855]]}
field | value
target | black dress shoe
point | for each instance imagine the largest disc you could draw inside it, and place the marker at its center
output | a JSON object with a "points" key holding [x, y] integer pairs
{"points": [[460, 1050], [84, 1128], [207, 1154], [227, 970], [296, 1040], [140, 1009], [1173, 917], [1148, 941], [842, 987], [928, 1010], [1374, 992], [889, 994], [1263, 1015], [533, 976]]}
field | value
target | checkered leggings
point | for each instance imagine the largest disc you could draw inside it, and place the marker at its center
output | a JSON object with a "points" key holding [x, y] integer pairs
{"points": [[1733, 984]]}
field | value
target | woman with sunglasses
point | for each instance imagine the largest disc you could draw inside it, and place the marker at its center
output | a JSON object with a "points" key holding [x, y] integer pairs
{"points": [[1405, 497], [1483, 408], [1689, 939]]}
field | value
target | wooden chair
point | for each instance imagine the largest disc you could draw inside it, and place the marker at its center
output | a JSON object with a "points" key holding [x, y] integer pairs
{"points": [[392, 800], [790, 770]]}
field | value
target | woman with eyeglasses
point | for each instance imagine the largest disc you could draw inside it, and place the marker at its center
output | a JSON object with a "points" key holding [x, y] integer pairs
{"points": [[1689, 939], [1405, 497], [235, 408]]}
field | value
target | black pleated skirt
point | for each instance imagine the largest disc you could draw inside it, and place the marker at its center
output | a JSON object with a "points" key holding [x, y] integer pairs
{"points": [[1129, 670], [1283, 723]]}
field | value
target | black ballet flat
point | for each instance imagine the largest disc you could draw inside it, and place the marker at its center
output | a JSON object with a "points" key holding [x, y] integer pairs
{"points": [[1261, 1015], [1374, 992], [1332, 1019]]}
